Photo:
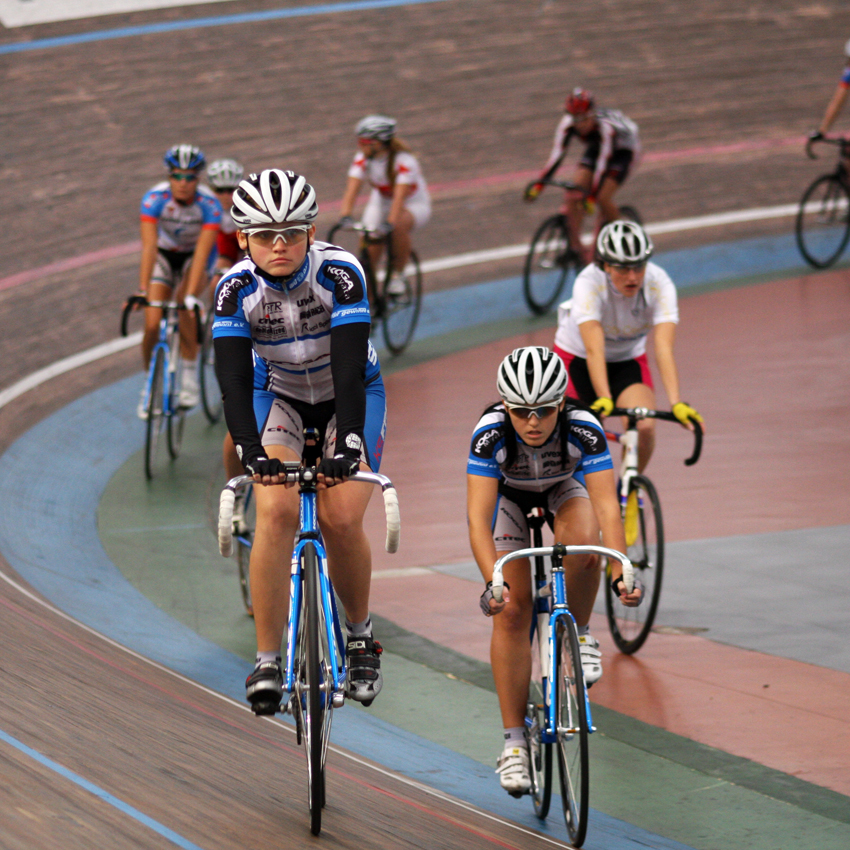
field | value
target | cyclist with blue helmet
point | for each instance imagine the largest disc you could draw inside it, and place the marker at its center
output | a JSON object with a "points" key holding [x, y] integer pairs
{"points": [[180, 221]]}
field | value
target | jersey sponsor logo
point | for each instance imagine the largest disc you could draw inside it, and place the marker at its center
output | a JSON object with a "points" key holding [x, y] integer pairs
{"points": [[273, 307], [592, 441], [348, 288], [227, 299], [486, 442]]}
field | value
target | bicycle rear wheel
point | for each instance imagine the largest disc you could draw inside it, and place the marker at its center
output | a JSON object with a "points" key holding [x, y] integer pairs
{"points": [[539, 751], [823, 221], [548, 265], [401, 312], [210, 390], [571, 716], [318, 685], [645, 547], [156, 412], [244, 540]]}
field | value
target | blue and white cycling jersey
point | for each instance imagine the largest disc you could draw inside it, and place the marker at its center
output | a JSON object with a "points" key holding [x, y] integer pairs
{"points": [[180, 225], [536, 469], [289, 323]]}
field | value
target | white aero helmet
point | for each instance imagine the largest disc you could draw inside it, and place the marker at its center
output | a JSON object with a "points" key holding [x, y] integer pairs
{"points": [[224, 173], [623, 243], [379, 127], [531, 376], [273, 197]]}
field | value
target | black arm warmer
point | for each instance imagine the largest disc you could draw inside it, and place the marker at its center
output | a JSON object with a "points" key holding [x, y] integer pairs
{"points": [[349, 350], [234, 368]]}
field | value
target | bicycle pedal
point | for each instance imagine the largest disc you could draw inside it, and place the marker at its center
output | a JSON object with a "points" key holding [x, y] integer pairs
{"points": [[264, 708]]}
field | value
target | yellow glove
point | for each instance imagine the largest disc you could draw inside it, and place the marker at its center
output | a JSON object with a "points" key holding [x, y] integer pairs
{"points": [[685, 413], [532, 191], [603, 406]]}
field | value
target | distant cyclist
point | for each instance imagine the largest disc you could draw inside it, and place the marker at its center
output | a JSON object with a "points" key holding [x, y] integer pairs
{"points": [[399, 201], [292, 350], [224, 176], [602, 331], [612, 150], [180, 221], [535, 449], [835, 104]]}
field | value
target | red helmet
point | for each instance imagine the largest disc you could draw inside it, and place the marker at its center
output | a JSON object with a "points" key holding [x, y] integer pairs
{"points": [[579, 101]]}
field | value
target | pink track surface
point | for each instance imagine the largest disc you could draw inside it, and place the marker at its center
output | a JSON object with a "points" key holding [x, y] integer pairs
{"points": [[768, 367]]}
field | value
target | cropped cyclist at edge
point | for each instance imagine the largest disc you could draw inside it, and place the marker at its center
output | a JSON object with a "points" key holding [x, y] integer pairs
{"points": [[292, 350], [602, 331], [612, 150], [536, 449], [399, 201], [179, 224], [835, 105], [224, 176]]}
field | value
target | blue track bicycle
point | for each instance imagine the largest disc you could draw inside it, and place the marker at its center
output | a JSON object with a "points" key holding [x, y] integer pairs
{"points": [[558, 713], [162, 390], [315, 671]]}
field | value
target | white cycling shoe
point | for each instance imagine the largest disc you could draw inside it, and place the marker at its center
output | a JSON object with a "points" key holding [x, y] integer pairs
{"points": [[514, 769], [591, 659], [190, 392]]}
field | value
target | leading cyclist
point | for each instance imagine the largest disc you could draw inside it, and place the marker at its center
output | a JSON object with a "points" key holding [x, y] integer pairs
{"points": [[292, 350], [179, 224], [535, 449], [835, 105], [603, 329], [612, 150]]}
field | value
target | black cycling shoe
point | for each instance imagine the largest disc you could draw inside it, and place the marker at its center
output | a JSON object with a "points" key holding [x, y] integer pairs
{"points": [[363, 657], [264, 688]]}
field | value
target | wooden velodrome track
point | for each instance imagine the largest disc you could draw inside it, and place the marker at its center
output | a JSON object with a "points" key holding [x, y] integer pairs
{"points": [[722, 95]]}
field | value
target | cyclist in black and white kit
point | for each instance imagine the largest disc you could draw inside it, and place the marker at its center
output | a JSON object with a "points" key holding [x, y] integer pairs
{"points": [[535, 449], [292, 350], [612, 150]]}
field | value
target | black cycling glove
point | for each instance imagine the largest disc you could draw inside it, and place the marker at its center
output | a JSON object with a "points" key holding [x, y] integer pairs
{"points": [[341, 465], [484, 600], [263, 466]]}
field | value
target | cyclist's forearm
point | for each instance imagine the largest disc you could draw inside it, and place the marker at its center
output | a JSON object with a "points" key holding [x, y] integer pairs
{"points": [[349, 351], [352, 187], [149, 250], [664, 338], [833, 108], [235, 372]]}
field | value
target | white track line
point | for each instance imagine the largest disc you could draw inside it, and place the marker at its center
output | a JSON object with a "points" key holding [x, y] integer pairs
{"points": [[457, 261]]}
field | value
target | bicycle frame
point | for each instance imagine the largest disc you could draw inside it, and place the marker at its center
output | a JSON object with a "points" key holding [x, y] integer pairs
{"points": [[559, 609], [169, 337]]}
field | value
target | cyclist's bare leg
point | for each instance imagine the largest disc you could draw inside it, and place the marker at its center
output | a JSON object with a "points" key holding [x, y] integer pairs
{"points": [[640, 395], [576, 524], [153, 315], [583, 177], [277, 523], [341, 511], [510, 652], [188, 327], [607, 209], [401, 240]]}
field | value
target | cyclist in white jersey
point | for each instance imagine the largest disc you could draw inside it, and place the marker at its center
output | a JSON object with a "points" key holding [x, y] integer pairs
{"points": [[179, 224], [536, 450], [835, 105], [612, 150], [603, 329], [399, 200], [291, 334]]}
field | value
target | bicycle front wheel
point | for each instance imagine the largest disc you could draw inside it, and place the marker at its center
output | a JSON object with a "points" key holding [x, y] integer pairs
{"points": [[318, 703], [155, 412], [645, 547], [401, 312], [548, 265], [823, 222], [210, 390], [572, 731]]}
